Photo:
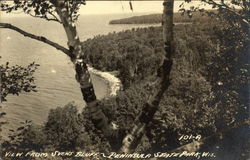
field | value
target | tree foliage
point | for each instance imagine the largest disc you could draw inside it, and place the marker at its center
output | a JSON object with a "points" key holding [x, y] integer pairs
{"points": [[194, 103], [45, 9], [64, 129], [210, 77], [235, 12], [134, 53], [16, 79]]}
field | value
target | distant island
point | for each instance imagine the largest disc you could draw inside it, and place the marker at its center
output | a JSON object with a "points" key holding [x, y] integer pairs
{"points": [[156, 18]]}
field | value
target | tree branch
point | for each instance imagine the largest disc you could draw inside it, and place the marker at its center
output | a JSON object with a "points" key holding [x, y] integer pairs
{"points": [[55, 19], [227, 8], [39, 38]]}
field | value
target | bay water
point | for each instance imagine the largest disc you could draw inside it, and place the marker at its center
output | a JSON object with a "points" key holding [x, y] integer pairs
{"points": [[55, 77]]}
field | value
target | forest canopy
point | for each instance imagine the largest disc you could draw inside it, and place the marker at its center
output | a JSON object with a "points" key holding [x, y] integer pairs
{"points": [[207, 91], [192, 106]]}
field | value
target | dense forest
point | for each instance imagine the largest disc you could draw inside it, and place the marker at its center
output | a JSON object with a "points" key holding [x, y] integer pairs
{"points": [[209, 74], [157, 18], [208, 92]]}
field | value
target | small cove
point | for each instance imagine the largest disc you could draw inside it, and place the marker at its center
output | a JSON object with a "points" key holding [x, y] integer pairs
{"points": [[55, 77]]}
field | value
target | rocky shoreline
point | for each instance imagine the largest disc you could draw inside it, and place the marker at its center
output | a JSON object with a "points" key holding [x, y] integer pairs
{"points": [[112, 81]]}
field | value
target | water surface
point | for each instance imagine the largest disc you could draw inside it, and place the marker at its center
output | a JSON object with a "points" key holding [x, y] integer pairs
{"points": [[55, 77]]}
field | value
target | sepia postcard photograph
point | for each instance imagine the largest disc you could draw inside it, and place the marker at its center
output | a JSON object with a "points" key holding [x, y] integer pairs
{"points": [[124, 80]]}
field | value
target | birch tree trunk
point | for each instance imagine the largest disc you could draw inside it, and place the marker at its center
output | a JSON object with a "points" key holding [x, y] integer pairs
{"points": [[81, 68], [132, 139], [64, 10]]}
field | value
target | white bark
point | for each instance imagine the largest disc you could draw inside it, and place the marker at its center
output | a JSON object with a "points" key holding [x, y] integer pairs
{"points": [[132, 139]]}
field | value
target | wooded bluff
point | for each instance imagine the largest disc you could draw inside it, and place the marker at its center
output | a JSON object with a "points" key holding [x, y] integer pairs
{"points": [[207, 93], [157, 18]]}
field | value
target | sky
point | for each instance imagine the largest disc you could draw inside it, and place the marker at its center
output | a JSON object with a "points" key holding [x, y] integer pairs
{"points": [[110, 7], [121, 7]]}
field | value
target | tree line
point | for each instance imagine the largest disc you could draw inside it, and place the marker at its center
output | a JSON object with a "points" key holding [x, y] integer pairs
{"points": [[157, 18]]}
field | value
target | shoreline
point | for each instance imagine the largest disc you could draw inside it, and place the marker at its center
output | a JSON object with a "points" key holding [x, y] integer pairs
{"points": [[113, 86], [114, 83]]}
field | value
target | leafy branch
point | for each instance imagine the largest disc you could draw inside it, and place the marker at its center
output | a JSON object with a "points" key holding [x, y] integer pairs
{"points": [[15, 79]]}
